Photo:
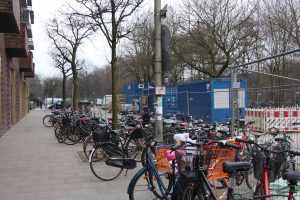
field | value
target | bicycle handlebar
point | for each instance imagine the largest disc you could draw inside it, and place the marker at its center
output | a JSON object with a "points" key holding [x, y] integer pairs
{"points": [[222, 143], [296, 153]]}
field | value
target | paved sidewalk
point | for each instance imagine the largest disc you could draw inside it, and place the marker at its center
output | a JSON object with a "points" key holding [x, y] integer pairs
{"points": [[34, 166]]}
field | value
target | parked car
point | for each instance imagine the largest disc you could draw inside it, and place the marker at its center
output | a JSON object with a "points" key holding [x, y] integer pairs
{"points": [[58, 105]]}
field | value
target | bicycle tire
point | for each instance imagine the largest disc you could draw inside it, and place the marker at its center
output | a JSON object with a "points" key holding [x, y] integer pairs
{"points": [[143, 184], [248, 176], [146, 180], [190, 193], [88, 144], [99, 167], [134, 148], [48, 121], [66, 136], [57, 132]]}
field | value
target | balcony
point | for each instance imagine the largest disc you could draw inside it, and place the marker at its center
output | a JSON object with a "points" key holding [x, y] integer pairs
{"points": [[26, 64], [17, 44], [29, 30], [29, 74], [30, 44], [9, 16], [29, 3], [31, 15]]}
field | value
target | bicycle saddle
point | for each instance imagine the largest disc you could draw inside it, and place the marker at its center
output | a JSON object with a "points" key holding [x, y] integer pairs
{"points": [[234, 167], [291, 176]]}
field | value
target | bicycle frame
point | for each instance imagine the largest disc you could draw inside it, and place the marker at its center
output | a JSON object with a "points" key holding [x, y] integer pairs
{"points": [[149, 165], [266, 188], [265, 184]]}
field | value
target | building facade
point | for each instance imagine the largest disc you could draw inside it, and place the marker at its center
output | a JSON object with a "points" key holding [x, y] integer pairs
{"points": [[16, 60]]}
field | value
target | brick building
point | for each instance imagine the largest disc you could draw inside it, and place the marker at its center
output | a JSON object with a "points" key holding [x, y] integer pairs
{"points": [[16, 60]]}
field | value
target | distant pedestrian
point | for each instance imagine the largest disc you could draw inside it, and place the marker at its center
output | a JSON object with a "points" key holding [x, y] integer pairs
{"points": [[41, 104]]}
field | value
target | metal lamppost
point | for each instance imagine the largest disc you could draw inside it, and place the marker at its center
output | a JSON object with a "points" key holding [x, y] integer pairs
{"points": [[158, 15]]}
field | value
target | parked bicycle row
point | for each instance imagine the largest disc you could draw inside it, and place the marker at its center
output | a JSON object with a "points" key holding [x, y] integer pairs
{"points": [[213, 169], [198, 161]]}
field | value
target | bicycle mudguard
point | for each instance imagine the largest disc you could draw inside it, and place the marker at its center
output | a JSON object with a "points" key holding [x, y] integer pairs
{"points": [[111, 149], [135, 179], [125, 163]]}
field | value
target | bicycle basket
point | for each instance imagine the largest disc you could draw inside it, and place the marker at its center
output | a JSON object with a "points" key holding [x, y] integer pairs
{"points": [[162, 163], [101, 135], [184, 158], [214, 159], [259, 160]]}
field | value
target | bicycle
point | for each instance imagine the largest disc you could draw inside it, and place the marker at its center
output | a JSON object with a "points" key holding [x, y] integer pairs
{"points": [[111, 153], [50, 119], [267, 168], [133, 138], [151, 179]]}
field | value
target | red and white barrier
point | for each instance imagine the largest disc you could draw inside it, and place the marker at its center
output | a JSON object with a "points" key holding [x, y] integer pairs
{"points": [[281, 118]]}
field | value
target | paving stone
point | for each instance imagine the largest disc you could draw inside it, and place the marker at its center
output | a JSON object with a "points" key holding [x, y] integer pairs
{"points": [[34, 166]]}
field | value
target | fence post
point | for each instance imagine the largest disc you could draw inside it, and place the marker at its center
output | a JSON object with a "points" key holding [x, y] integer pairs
{"points": [[233, 98], [187, 103]]}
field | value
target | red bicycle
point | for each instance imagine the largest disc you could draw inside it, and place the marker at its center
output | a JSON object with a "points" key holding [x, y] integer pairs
{"points": [[267, 168]]}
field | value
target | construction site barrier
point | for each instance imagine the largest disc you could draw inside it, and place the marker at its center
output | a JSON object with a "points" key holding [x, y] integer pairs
{"points": [[266, 118]]}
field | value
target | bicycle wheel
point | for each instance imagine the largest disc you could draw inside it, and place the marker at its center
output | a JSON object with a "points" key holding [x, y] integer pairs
{"points": [[146, 186], [88, 146], [166, 181], [67, 134], [259, 192], [191, 193], [57, 132], [134, 148], [99, 167], [48, 120], [248, 176]]}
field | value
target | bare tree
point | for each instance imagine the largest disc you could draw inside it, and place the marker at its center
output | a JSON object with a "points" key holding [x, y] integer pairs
{"points": [[52, 87], [67, 33], [64, 67], [214, 34], [286, 15], [279, 31], [137, 54], [110, 17], [96, 83]]}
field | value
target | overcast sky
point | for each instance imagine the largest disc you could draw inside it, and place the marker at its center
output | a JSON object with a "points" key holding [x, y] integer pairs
{"points": [[96, 51]]}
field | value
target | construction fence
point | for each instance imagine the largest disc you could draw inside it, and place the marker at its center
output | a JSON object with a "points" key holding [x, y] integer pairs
{"points": [[266, 118]]}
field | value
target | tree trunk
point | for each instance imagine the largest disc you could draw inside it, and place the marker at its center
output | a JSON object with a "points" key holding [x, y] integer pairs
{"points": [[64, 91], [114, 69], [75, 87], [114, 88]]}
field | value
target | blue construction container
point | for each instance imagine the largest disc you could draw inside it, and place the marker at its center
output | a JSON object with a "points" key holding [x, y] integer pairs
{"points": [[133, 93], [210, 99], [169, 100]]}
